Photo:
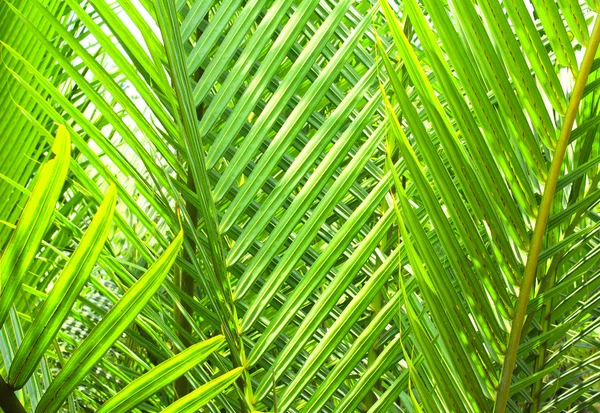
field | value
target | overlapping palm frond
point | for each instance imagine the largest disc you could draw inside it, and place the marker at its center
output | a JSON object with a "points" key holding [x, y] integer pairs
{"points": [[360, 186], [286, 98], [21, 146], [491, 159]]}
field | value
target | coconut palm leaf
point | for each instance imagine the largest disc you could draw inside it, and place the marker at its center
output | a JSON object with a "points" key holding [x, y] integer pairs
{"points": [[520, 347], [382, 206]]}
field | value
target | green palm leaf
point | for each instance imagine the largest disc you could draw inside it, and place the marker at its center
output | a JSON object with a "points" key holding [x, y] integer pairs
{"points": [[64, 293], [108, 330], [33, 223], [358, 187], [161, 375]]}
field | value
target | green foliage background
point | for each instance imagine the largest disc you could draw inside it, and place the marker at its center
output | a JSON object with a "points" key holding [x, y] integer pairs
{"points": [[299, 206]]}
